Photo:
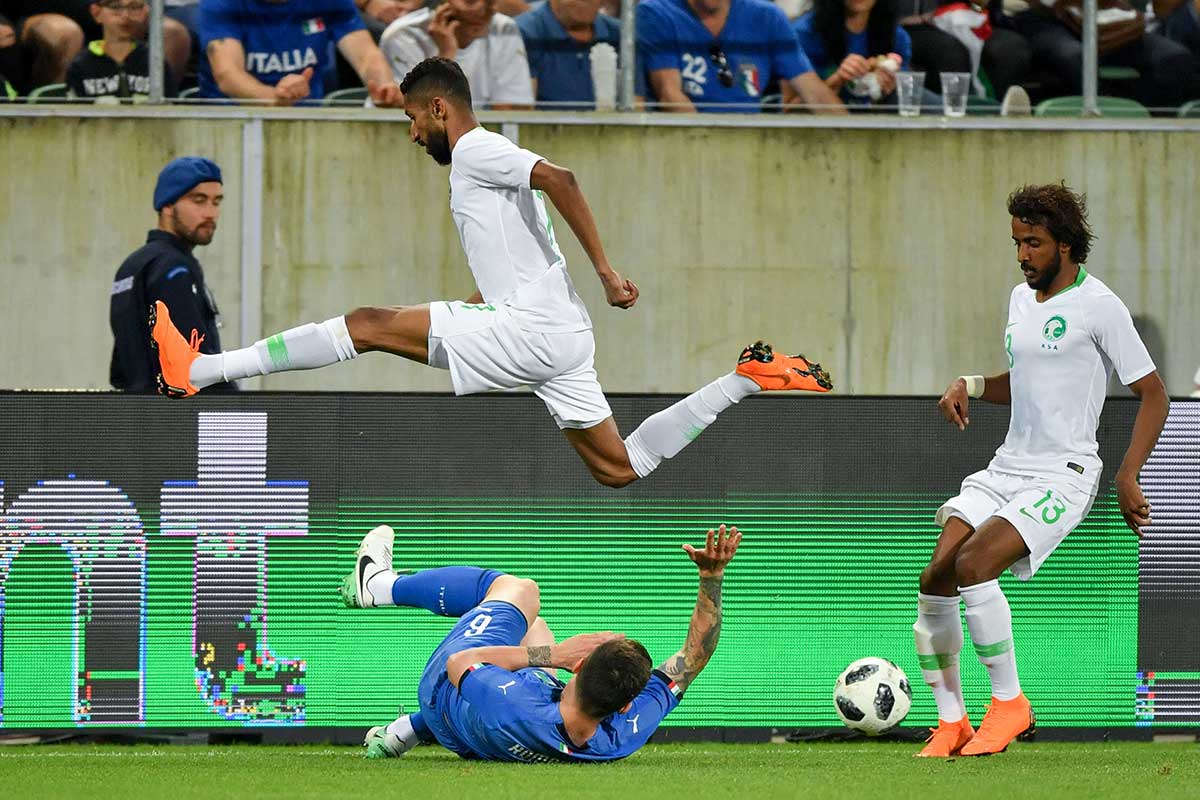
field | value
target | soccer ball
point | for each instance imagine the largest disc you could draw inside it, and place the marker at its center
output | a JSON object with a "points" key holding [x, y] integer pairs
{"points": [[872, 696]]}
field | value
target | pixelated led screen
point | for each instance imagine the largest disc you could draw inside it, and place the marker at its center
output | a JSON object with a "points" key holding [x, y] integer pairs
{"points": [[175, 565]]}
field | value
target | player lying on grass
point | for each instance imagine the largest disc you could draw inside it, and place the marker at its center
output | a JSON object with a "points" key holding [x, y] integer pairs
{"points": [[1066, 332], [525, 326], [489, 691]]}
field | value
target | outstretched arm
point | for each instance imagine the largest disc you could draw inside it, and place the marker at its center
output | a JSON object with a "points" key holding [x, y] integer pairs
{"points": [[705, 629], [560, 186]]}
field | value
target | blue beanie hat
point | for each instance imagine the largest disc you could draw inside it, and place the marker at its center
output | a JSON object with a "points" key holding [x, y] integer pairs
{"points": [[180, 176]]}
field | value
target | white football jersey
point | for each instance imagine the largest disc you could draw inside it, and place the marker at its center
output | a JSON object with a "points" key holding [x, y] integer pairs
{"points": [[1060, 354], [508, 236]]}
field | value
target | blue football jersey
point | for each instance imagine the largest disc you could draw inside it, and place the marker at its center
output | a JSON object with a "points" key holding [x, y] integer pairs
{"points": [[279, 38], [756, 47], [513, 716]]}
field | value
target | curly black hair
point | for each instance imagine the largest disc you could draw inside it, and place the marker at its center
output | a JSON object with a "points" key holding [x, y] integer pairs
{"points": [[1062, 212], [440, 77]]}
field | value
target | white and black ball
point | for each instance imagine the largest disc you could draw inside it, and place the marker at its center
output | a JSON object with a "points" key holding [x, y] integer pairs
{"points": [[872, 696]]}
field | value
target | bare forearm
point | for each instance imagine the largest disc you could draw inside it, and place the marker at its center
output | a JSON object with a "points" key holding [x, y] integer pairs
{"points": [[510, 658], [569, 200], [997, 390], [373, 66], [702, 637], [1151, 416]]}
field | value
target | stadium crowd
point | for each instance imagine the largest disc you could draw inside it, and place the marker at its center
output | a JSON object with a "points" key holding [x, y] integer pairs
{"points": [[706, 55]]}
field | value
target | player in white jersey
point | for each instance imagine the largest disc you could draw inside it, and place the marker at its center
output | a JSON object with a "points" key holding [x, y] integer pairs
{"points": [[1066, 331], [525, 326]]}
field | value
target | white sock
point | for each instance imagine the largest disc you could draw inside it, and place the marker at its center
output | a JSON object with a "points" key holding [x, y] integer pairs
{"points": [[664, 434], [939, 638], [306, 347], [403, 729], [380, 587], [989, 620]]}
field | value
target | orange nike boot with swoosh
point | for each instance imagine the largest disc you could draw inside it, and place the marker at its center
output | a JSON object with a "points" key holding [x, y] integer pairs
{"points": [[1005, 721], [175, 354], [947, 739], [773, 372]]}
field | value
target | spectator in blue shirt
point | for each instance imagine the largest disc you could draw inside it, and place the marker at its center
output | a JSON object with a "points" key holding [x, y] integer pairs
{"points": [[722, 55], [559, 35], [278, 51], [844, 39]]}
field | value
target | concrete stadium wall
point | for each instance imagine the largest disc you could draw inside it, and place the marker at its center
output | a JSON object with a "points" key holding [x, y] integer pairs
{"points": [[884, 253]]}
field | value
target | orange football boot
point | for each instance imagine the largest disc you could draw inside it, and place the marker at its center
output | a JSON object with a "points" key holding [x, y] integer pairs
{"points": [[175, 354], [1005, 720], [947, 739], [772, 371]]}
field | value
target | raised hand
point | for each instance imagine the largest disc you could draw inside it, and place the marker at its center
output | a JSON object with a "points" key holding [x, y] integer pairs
{"points": [[293, 87], [719, 548], [443, 29]]}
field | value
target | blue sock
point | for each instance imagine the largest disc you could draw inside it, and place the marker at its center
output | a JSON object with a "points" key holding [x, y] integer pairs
{"points": [[448, 591], [421, 728]]}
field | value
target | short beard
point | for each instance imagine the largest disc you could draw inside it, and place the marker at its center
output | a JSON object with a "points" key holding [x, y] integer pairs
{"points": [[438, 146], [193, 237], [1051, 272]]}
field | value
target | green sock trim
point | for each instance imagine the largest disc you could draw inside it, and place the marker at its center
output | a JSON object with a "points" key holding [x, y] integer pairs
{"points": [[936, 661], [278, 352], [989, 650]]}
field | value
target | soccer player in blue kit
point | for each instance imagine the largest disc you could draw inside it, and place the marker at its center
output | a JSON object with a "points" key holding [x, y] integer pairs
{"points": [[489, 690]]}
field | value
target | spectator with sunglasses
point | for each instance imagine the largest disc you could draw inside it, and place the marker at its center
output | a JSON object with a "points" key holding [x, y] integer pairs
{"points": [[724, 55]]}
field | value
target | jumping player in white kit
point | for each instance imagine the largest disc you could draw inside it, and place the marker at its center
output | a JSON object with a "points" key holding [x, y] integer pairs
{"points": [[525, 326], [1066, 332]]}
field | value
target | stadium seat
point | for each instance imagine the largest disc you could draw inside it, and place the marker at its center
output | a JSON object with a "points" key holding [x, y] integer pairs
{"points": [[1190, 109], [343, 97], [1115, 73], [1073, 107], [50, 93]]}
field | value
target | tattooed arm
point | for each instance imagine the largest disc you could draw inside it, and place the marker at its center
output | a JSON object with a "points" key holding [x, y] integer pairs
{"points": [[705, 629]]}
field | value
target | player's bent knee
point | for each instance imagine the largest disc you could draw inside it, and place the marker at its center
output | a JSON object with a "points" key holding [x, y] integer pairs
{"points": [[938, 578], [523, 593], [970, 568]]}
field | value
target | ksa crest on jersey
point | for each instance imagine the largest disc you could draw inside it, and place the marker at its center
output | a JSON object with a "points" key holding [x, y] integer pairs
{"points": [[1054, 329]]}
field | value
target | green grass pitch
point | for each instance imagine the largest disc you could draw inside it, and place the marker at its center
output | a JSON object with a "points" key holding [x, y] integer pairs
{"points": [[1123, 770]]}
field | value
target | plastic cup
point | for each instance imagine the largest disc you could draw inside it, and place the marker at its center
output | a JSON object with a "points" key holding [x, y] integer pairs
{"points": [[909, 86], [955, 86]]}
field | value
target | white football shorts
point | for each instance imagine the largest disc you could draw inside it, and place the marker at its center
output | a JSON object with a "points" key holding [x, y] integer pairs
{"points": [[485, 351], [1042, 509]]}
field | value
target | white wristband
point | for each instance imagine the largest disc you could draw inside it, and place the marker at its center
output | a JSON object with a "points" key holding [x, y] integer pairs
{"points": [[974, 385]]}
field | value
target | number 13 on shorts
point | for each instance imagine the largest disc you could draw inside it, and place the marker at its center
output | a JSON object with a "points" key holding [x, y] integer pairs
{"points": [[1046, 509]]}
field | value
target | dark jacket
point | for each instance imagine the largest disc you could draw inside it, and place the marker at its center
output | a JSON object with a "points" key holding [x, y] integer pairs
{"points": [[162, 269], [94, 74]]}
